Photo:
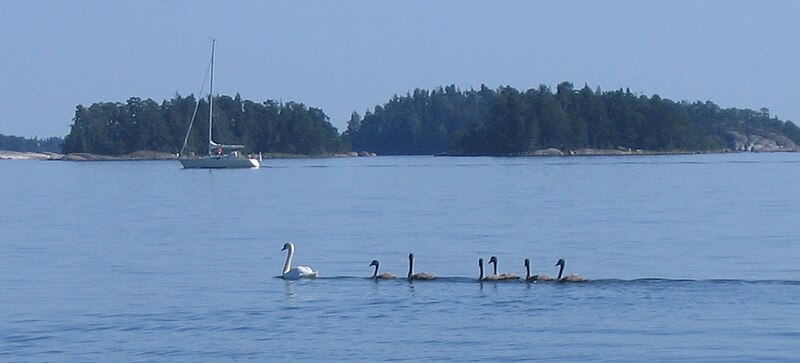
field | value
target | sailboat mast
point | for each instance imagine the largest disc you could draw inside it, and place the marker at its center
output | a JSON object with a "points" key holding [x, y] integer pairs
{"points": [[211, 96]]}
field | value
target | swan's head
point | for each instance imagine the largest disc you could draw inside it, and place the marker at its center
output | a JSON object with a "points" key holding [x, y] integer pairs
{"points": [[374, 263], [527, 263], [480, 262], [493, 259], [410, 256], [560, 262], [288, 246]]}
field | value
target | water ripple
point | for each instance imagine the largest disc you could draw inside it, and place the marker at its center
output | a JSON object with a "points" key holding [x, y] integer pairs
{"points": [[605, 281]]}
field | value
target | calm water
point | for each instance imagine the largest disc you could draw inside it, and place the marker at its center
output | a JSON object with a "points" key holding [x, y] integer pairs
{"points": [[693, 258]]}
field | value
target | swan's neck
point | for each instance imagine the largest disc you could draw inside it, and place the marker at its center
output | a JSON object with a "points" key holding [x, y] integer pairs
{"points": [[288, 265], [494, 267], [374, 275], [560, 272], [480, 277], [528, 269], [410, 267]]}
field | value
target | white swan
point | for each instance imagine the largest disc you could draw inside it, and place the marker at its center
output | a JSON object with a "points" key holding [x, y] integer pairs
{"points": [[481, 277], [503, 276], [383, 276], [418, 275], [531, 278], [570, 278], [297, 272]]}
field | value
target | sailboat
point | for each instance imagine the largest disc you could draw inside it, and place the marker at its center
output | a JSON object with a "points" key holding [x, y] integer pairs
{"points": [[220, 156]]}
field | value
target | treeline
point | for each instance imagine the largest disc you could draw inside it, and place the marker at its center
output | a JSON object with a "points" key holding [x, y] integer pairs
{"points": [[503, 121], [507, 121], [114, 128], [17, 143]]}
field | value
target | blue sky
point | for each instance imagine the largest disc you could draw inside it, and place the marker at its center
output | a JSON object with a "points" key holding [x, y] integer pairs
{"points": [[345, 56]]}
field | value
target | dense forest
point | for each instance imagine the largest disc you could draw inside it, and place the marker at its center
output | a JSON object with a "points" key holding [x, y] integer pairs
{"points": [[507, 122], [17, 143], [503, 121], [270, 127]]}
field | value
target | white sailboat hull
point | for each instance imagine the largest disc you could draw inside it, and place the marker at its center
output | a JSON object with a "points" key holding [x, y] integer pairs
{"points": [[216, 159], [219, 163]]}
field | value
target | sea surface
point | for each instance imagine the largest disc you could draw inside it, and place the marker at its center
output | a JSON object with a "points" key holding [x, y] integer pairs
{"points": [[690, 258]]}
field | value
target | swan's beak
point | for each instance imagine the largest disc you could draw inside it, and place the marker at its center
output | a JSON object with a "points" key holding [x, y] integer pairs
{"points": [[284, 248]]}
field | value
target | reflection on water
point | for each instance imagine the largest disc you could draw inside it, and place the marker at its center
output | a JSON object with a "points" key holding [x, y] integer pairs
{"points": [[290, 294]]}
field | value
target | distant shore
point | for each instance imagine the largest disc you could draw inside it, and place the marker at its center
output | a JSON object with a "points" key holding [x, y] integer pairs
{"points": [[139, 155], [28, 155], [623, 152], [146, 155], [156, 155]]}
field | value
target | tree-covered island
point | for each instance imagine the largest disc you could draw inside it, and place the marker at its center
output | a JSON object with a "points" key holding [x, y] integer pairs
{"points": [[18, 143], [507, 121], [445, 120], [269, 127]]}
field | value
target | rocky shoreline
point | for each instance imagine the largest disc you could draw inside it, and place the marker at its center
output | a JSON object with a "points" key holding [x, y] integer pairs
{"points": [[141, 155], [154, 155], [736, 142], [616, 152], [138, 155], [28, 155]]}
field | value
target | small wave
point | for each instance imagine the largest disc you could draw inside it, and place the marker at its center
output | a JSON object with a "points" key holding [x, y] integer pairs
{"points": [[610, 161], [25, 338], [714, 281], [328, 278], [643, 280]]}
